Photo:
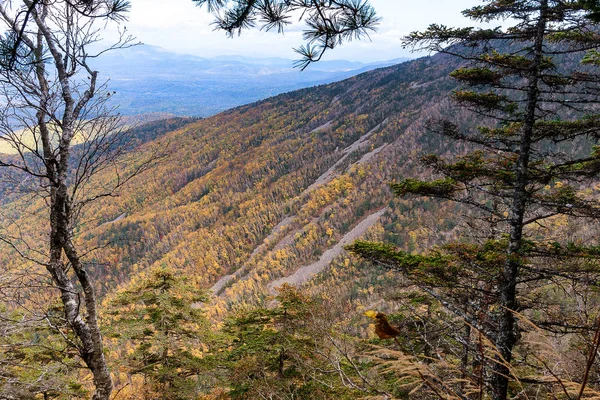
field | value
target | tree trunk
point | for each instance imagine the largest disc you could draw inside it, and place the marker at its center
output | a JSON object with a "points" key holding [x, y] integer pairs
{"points": [[43, 85], [87, 330], [506, 337]]}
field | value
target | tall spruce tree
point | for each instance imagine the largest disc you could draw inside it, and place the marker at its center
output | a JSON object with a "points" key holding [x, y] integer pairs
{"points": [[537, 97]]}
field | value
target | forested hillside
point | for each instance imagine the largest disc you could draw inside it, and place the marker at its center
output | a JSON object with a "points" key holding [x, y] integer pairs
{"points": [[308, 165], [222, 267], [270, 192]]}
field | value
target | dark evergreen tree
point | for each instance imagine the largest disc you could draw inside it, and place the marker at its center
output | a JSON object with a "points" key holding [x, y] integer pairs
{"points": [[536, 97], [158, 318], [290, 351]]}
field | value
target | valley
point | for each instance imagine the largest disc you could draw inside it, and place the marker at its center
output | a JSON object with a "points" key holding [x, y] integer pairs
{"points": [[150, 79]]}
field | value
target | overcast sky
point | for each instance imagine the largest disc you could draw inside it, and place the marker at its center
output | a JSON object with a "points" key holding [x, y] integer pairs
{"points": [[180, 26]]}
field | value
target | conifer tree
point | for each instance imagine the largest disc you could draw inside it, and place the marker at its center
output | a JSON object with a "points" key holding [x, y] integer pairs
{"points": [[158, 318], [536, 97], [291, 351]]}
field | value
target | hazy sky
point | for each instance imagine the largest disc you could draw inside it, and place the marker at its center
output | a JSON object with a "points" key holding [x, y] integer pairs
{"points": [[180, 26]]}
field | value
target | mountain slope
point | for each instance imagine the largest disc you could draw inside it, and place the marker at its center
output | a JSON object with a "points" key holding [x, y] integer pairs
{"points": [[268, 188]]}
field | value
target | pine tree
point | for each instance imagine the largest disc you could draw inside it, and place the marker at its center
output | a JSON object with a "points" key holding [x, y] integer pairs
{"points": [[329, 23], [533, 88], [290, 351]]}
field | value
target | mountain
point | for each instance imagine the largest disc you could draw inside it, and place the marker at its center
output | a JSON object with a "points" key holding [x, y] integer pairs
{"points": [[268, 194], [258, 192], [251, 196], [150, 79]]}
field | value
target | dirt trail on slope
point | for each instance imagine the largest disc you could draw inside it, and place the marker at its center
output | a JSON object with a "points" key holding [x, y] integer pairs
{"points": [[330, 173], [326, 125], [305, 273], [370, 155], [120, 217], [218, 287], [242, 272]]}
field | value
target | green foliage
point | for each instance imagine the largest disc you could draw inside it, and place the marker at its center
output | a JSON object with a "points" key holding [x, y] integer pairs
{"points": [[485, 101], [38, 358], [592, 57], [157, 318], [329, 23], [476, 76], [284, 351], [593, 9], [439, 188], [447, 267], [514, 63]]}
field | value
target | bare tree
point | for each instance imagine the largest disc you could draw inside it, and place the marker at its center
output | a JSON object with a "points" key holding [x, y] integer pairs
{"points": [[55, 119]]}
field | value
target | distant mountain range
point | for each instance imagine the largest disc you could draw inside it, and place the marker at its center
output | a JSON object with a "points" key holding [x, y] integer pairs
{"points": [[150, 79]]}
